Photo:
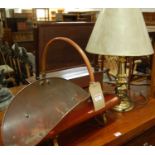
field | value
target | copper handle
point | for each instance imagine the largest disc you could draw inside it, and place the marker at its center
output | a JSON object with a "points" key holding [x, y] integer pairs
{"points": [[76, 46]]}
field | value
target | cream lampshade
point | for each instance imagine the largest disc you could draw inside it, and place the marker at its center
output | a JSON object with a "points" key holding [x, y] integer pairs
{"points": [[120, 32]]}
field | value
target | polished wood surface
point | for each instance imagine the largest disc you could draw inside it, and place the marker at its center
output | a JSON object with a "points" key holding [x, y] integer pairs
{"points": [[121, 127]]}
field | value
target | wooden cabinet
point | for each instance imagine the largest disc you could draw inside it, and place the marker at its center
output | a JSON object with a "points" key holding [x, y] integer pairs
{"points": [[80, 16], [25, 39], [21, 27], [149, 18], [62, 55]]}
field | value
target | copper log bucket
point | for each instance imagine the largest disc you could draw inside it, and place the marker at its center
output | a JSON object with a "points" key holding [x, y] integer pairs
{"points": [[39, 107]]}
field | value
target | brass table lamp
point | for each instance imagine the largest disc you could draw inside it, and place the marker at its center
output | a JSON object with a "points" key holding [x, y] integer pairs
{"points": [[120, 32]]}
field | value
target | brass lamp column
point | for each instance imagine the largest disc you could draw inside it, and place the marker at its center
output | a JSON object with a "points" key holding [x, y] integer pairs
{"points": [[122, 87], [120, 32]]}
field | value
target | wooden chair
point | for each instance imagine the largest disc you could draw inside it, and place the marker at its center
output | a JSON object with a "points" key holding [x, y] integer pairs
{"points": [[21, 64], [6, 68]]}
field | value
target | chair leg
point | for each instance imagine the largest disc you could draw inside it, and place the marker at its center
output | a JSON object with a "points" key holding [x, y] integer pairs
{"points": [[27, 70]]}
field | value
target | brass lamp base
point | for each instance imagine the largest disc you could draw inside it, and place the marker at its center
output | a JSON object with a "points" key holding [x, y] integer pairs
{"points": [[122, 88], [125, 105]]}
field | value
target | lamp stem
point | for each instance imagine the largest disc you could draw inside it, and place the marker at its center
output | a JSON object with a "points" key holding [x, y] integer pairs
{"points": [[100, 63], [122, 87]]}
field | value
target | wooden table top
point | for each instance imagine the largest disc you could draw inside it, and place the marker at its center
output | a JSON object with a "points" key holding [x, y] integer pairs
{"points": [[120, 128]]}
